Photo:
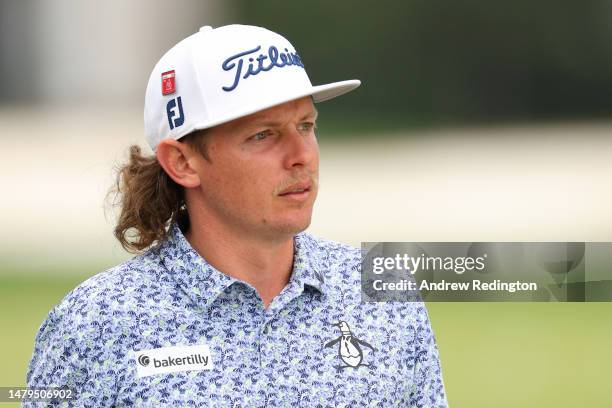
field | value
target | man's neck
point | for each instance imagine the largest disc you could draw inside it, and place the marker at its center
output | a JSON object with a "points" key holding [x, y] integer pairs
{"points": [[265, 265]]}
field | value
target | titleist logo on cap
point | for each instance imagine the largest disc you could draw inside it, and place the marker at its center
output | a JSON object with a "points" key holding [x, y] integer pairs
{"points": [[274, 57]]}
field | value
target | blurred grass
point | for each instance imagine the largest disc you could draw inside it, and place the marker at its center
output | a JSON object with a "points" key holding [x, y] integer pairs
{"points": [[493, 354], [25, 301], [525, 354]]}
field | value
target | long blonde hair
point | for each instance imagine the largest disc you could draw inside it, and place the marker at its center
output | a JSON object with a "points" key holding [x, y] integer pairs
{"points": [[149, 201]]}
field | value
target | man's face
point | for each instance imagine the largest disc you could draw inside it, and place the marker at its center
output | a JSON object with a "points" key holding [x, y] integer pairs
{"points": [[262, 178]]}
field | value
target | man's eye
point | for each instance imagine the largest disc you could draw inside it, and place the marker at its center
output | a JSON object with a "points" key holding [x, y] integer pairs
{"points": [[260, 135], [307, 126]]}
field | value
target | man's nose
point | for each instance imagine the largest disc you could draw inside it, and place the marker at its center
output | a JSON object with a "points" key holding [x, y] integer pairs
{"points": [[301, 148]]}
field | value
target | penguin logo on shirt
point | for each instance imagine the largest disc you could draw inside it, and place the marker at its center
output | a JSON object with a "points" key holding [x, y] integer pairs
{"points": [[349, 349]]}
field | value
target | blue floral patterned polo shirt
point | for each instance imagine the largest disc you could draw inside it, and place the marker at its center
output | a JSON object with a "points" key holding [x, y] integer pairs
{"points": [[167, 329]]}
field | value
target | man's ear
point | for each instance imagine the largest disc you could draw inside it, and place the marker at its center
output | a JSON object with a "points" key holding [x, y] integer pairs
{"points": [[179, 161]]}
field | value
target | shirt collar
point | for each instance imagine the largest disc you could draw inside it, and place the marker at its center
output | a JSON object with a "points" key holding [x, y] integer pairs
{"points": [[203, 283], [307, 263], [200, 280]]}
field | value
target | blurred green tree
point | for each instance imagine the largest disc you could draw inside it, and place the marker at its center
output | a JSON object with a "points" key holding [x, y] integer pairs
{"points": [[438, 62]]}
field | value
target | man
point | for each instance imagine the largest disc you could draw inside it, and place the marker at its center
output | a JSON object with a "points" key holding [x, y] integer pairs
{"points": [[231, 304]]}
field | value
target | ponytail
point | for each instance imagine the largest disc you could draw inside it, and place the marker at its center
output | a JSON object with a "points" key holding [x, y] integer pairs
{"points": [[148, 199]]}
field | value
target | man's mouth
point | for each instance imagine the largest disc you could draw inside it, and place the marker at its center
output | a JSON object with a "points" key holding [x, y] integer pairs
{"points": [[296, 190]]}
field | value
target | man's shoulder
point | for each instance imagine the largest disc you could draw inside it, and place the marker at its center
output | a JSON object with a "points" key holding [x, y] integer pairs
{"points": [[330, 249], [340, 263], [90, 327], [113, 291]]}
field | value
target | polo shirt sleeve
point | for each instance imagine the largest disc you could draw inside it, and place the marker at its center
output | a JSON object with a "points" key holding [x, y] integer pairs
{"points": [[428, 387], [73, 349]]}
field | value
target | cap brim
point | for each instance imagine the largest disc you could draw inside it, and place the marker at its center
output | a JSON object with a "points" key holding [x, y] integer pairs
{"points": [[319, 93], [322, 93]]}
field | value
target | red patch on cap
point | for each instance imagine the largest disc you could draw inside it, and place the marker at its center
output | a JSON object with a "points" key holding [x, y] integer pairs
{"points": [[168, 82]]}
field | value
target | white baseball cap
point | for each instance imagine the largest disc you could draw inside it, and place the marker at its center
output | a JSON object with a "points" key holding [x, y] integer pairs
{"points": [[218, 75]]}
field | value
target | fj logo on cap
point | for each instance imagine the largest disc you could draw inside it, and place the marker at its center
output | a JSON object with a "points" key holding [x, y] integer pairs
{"points": [[172, 359], [174, 107], [168, 82]]}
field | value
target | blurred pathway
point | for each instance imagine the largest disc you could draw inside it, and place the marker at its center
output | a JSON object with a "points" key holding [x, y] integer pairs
{"points": [[540, 183]]}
